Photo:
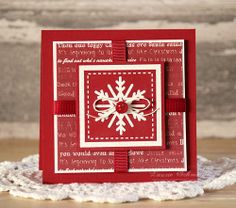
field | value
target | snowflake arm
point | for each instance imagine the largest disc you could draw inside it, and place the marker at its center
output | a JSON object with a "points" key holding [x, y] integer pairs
{"points": [[120, 124], [120, 88], [129, 120], [137, 115], [128, 91], [112, 119], [136, 96], [105, 115], [104, 96]]}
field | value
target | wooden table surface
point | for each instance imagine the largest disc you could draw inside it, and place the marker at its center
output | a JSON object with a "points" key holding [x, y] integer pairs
{"points": [[211, 148]]}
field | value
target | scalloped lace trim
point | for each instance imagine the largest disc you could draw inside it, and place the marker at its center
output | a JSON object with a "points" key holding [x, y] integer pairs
{"points": [[23, 179]]}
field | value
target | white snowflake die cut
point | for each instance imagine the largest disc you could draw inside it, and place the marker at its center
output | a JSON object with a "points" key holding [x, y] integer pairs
{"points": [[120, 105]]}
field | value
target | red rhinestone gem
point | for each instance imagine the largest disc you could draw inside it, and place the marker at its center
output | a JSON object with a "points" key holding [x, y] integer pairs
{"points": [[122, 107]]}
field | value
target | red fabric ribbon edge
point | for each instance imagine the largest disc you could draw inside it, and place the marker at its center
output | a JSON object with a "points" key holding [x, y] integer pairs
{"points": [[121, 161], [64, 107], [175, 105]]}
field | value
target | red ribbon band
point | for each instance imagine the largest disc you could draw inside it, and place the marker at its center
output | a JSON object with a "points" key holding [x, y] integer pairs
{"points": [[64, 107]]}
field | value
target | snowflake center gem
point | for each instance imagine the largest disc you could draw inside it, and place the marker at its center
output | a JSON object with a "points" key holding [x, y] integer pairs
{"points": [[122, 107]]}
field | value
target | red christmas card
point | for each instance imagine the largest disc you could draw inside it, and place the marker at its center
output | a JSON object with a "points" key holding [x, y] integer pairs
{"points": [[118, 106]]}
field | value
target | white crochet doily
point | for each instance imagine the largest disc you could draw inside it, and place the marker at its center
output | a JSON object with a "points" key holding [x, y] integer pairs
{"points": [[23, 179]]}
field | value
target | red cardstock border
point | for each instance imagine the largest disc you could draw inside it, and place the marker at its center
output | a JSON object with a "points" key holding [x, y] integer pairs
{"points": [[46, 149]]}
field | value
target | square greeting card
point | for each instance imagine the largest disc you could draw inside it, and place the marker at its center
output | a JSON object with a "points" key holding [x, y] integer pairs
{"points": [[118, 106]]}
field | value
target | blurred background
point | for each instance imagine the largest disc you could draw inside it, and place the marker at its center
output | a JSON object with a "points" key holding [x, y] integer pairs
{"points": [[22, 20]]}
